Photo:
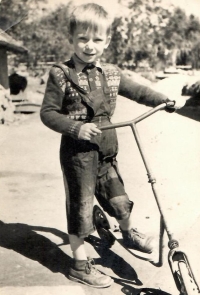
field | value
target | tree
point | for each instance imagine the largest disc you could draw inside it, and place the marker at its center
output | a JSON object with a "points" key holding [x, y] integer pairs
{"points": [[146, 29], [50, 35], [14, 13], [137, 34], [43, 34], [196, 55]]}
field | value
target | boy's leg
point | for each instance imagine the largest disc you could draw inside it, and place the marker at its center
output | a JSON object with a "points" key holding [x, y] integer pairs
{"points": [[82, 269], [77, 247], [112, 197], [125, 224], [79, 180], [134, 239]]}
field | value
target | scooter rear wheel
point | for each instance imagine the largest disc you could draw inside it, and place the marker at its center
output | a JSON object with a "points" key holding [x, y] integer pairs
{"points": [[189, 286], [102, 226]]}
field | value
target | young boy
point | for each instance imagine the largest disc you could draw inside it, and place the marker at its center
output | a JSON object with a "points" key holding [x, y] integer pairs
{"points": [[80, 97]]}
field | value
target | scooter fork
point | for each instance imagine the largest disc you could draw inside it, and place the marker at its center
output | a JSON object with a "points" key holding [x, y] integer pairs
{"points": [[178, 261]]}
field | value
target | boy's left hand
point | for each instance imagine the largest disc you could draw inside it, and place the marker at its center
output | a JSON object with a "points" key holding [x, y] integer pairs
{"points": [[172, 88], [179, 101]]}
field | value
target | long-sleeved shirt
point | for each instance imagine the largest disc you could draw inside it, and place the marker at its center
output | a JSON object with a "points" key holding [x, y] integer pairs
{"points": [[71, 99]]}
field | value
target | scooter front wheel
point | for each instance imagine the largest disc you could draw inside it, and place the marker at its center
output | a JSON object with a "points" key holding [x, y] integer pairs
{"points": [[102, 226], [189, 286]]}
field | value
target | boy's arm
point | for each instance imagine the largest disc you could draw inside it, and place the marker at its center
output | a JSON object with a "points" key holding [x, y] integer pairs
{"points": [[139, 93], [50, 112]]}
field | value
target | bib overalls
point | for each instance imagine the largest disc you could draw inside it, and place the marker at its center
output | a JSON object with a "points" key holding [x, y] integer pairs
{"points": [[90, 167]]}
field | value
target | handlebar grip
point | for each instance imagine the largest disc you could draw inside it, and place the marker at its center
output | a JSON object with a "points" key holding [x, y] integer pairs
{"points": [[170, 104], [170, 107]]}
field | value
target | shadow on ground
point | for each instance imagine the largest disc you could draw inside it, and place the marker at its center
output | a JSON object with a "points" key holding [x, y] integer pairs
{"points": [[111, 260], [128, 290], [128, 278], [23, 239]]}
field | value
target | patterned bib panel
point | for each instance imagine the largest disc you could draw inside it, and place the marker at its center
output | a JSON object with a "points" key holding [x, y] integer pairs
{"points": [[73, 105]]}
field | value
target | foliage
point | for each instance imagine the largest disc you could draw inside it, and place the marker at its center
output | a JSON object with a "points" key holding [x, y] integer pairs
{"points": [[149, 31], [145, 30], [196, 55], [17, 13], [44, 34], [48, 37], [139, 31], [59, 28]]}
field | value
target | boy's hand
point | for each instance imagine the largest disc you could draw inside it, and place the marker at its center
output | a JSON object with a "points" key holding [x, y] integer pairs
{"points": [[179, 102], [88, 130]]}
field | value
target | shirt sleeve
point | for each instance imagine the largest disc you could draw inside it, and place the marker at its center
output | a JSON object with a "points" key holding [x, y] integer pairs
{"points": [[139, 93], [50, 112]]}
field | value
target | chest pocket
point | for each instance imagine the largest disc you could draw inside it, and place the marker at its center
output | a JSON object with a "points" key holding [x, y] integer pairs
{"points": [[98, 102]]}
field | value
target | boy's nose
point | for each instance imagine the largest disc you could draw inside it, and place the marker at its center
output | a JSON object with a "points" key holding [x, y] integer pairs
{"points": [[89, 45]]}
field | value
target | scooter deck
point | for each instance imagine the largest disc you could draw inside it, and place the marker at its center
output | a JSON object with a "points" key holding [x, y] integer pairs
{"points": [[152, 257]]}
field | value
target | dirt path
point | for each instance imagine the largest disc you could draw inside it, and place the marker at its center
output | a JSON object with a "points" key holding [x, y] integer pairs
{"points": [[35, 253]]}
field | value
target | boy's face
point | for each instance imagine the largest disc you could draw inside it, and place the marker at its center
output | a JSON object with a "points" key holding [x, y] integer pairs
{"points": [[88, 44]]}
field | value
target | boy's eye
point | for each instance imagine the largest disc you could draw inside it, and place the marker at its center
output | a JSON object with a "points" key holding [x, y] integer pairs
{"points": [[98, 40], [83, 38]]}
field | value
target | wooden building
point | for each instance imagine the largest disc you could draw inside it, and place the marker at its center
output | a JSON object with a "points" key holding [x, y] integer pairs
{"points": [[7, 43]]}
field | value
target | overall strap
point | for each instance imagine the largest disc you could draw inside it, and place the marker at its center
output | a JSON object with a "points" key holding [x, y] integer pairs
{"points": [[83, 93], [67, 75]]}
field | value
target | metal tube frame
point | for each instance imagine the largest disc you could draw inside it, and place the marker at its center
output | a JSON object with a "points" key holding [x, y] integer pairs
{"points": [[151, 178], [175, 254]]}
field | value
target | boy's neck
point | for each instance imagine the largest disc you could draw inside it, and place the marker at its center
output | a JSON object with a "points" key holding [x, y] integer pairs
{"points": [[80, 64]]}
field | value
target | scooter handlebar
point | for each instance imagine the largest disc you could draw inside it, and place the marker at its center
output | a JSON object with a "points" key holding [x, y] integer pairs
{"points": [[170, 104], [160, 107]]}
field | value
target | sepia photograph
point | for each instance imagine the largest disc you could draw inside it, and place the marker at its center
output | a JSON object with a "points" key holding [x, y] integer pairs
{"points": [[99, 147]]}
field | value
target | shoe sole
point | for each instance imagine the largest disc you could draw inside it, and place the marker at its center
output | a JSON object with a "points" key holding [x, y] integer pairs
{"points": [[85, 283]]}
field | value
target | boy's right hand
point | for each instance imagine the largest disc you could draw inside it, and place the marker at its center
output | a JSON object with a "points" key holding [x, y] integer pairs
{"points": [[88, 130]]}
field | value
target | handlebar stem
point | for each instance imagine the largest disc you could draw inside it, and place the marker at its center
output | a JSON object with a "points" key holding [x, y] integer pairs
{"points": [[140, 118]]}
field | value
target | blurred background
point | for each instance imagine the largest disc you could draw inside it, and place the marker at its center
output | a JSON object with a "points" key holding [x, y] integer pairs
{"points": [[156, 43], [152, 34], [152, 40]]}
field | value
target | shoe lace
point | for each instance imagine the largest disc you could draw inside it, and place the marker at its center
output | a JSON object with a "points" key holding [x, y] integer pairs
{"points": [[135, 234], [89, 267]]}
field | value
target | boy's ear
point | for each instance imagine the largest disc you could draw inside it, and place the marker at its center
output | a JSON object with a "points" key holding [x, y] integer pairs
{"points": [[108, 41]]}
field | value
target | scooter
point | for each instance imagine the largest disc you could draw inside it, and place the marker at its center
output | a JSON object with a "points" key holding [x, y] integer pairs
{"points": [[109, 232]]}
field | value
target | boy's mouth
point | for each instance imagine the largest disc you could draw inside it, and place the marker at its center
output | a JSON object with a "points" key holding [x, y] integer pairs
{"points": [[89, 54]]}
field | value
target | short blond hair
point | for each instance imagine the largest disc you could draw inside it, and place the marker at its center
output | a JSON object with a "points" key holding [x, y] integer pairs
{"points": [[90, 16]]}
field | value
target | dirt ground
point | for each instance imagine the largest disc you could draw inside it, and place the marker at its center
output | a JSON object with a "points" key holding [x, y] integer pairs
{"points": [[34, 247]]}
